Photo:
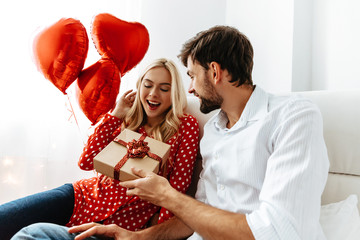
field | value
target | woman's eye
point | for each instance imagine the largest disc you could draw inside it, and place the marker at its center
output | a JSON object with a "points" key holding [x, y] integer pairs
{"points": [[164, 90], [147, 86]]}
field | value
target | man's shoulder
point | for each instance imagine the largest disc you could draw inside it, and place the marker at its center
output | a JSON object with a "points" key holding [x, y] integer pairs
{"points": [[289, 101], [288, 106]]}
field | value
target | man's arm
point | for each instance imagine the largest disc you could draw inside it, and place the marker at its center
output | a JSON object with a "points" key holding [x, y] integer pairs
{"points": [[173, 228], [209, 222]]}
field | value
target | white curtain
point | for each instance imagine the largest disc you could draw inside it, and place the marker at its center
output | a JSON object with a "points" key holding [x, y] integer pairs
{"points": [[40, 139]]}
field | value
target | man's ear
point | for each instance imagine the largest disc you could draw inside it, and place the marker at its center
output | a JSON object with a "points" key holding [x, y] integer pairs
{"points": [[215, 70]]}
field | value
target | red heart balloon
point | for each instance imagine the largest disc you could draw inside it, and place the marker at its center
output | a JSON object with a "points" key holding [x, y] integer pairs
{"points": [[124, 42], [60, 52], [97, 89]]}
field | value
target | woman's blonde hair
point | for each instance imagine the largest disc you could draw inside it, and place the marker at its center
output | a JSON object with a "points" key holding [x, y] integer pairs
{"points": [[136, 116]]}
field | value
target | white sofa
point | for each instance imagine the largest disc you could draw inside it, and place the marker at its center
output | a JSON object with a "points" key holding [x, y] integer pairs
{"points": [[341, 116]]}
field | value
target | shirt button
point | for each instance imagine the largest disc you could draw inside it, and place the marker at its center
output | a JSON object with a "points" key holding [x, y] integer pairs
{"points": [[222, 187]]}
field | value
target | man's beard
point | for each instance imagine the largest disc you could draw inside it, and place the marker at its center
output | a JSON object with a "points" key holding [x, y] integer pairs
{"points": [[212, 100]]}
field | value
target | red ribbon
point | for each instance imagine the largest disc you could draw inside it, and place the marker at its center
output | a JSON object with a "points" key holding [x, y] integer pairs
{"points": [[135, 149]]}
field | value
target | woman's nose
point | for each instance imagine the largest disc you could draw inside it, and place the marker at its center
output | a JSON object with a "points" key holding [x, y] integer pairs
{"points": [[153, 92]]}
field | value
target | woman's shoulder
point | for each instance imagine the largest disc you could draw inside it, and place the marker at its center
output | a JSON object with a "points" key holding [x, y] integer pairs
{"points": [[189, 121], [189, 127], [188, 118]]}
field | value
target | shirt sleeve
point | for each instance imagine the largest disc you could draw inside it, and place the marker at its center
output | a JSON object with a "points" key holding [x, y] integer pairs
{"points": [[104, 133], [296, 173], [180, 177]]}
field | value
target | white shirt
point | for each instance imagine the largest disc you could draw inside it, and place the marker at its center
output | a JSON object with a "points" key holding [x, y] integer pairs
{"points": [[272, 165]]}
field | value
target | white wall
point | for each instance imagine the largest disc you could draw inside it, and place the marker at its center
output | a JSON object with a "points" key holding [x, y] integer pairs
{"points": [[336, 44], [326, 45], [171, 23], [269, 26], [301, 45], [302, 59]]}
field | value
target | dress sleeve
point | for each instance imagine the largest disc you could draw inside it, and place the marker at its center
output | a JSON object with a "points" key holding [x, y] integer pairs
{"points": [[295, 177], [180, 177], [104, 133]]}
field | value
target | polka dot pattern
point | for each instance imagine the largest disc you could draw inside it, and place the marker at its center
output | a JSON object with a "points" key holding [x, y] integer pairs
{"points": [[95, 202]]}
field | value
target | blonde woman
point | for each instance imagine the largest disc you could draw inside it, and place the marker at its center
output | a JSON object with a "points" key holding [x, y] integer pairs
{"points": [[156, 110]]}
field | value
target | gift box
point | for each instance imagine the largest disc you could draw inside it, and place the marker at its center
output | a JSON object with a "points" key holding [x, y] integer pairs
{"points": [[131, 149]]}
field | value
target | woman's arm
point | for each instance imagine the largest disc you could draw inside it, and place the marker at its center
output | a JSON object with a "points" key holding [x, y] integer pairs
{"points": [[184, 160], [102, 136], [108, 129]]}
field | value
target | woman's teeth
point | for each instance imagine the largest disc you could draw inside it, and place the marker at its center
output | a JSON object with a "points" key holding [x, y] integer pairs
{"points": [[153, 104]]}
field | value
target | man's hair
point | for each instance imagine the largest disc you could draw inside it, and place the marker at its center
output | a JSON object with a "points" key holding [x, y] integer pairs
{"points": [[224, 45]]}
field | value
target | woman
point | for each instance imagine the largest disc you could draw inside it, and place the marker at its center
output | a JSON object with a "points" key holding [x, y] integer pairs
{"points": [[156, 110]]}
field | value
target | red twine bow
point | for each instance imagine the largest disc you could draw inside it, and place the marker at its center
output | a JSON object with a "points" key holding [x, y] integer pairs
{"points": [[135, 149]]}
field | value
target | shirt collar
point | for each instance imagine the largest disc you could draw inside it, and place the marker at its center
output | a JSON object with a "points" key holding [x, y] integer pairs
{"points": [[258, 105], [255, 109]]}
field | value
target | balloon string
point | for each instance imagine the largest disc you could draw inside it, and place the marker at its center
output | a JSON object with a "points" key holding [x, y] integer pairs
{"points": [[73, 114]]}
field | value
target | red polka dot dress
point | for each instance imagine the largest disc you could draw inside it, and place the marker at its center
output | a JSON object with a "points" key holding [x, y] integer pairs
{"points": [[98, 202]]}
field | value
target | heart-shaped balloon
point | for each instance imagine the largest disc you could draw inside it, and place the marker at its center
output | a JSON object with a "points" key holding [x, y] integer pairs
{"points": [[124, 42], [60, 52], [97, 89]]}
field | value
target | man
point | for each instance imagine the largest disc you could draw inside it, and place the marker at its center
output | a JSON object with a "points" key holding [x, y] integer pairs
{"points": [[265, 162]]}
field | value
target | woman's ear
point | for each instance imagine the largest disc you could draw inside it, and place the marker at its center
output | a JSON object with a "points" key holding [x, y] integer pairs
{"points": [[215, 70]]}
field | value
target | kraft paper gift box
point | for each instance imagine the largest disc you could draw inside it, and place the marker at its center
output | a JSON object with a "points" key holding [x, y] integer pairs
{"points": [[108, 159]]}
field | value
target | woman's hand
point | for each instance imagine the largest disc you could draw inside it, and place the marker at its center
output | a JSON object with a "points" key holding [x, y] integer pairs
{"points": [[111, 231], [124, 104]]}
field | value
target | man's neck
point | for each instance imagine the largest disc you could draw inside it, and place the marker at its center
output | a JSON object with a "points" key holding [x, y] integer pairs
{"points": [[235, 102]]}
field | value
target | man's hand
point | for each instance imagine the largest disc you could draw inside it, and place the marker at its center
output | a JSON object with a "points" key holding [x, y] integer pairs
{"points": [[149, 187], [208, 221], [111, 231]]}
